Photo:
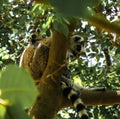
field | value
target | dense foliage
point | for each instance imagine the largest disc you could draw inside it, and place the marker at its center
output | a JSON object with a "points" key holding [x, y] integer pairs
{"points": [[98, 66]]}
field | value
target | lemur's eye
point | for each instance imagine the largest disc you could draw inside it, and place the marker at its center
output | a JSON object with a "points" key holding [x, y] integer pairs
{"points": [[77, 38], [38, 30], [33, 36]]}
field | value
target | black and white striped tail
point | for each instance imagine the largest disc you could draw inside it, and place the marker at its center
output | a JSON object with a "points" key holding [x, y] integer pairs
{"points": [[72, 95]]}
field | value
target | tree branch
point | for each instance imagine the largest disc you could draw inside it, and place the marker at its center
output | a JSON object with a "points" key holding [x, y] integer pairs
{"points": [[100, 98], [57, 55]]}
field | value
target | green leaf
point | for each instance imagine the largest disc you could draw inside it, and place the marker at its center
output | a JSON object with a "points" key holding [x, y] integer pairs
{"points": [[2, 111], [17, 113], [17, 86], [73, 7], [61, 27]]}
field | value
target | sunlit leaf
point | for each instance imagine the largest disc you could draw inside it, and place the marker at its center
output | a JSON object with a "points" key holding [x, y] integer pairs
{"points": [[2, 111], [77, 80]]}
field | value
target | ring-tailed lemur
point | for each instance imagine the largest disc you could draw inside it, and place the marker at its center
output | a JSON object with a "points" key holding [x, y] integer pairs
{"points": [[35, 57], [72, 91]]}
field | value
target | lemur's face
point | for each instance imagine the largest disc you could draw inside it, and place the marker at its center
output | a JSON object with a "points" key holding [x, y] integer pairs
{"points": [[76, 45]]}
